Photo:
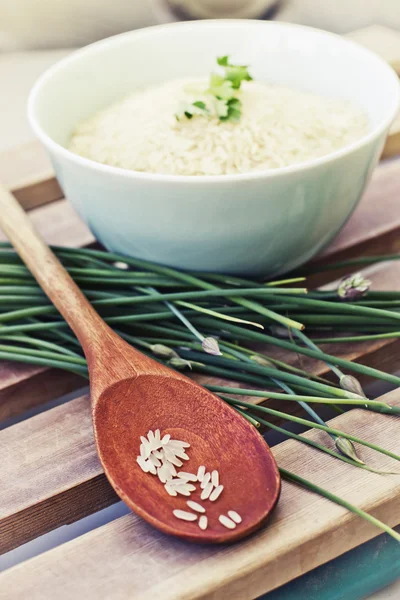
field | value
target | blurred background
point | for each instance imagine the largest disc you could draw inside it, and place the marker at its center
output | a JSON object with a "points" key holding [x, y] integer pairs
{"points": [[39, 24], [36, 33], [34, 24]]}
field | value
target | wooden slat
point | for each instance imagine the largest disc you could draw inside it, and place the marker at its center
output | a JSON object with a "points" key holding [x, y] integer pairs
{"points": [[23, 387], [128, 559], [26, 170], [59, 224], [51, 476], [38, 193]]}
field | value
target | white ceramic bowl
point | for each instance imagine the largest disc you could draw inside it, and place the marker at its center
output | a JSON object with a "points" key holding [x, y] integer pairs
{"points": [[257, 223]]}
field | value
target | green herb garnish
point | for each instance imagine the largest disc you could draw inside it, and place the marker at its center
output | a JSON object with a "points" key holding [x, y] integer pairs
{"points": [[234, 109], [234, 73], [223, 90], [189, 110], [220, 87]]}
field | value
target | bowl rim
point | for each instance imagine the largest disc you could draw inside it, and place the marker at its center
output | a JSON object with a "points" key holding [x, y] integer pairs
{"points": [[365, 140]]}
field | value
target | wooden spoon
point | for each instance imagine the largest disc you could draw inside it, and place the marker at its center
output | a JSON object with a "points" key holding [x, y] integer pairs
{"points": [[132, 394]]}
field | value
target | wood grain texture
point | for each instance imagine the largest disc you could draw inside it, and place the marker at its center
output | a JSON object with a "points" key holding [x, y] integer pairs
{"points": [[59, 224], [37, 193], [23, 387], [128, 559], [51, 475]]}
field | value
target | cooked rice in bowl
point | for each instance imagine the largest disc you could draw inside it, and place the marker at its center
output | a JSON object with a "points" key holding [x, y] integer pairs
{"points": [[278, 127]]}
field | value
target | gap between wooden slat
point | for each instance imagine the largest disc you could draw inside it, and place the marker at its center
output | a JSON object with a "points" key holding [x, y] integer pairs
{"points": [[27, 171], [127, 558], [23, 387], [35, 194]]}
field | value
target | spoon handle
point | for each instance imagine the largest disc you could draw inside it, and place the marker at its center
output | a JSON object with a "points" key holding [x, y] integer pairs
{"points": [[49, 273]]}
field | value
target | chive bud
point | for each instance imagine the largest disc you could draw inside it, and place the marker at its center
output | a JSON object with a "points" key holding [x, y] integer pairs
{"points": [[346, 447], [163, 351], [179, 363], [351, 384], [353, 287], [121, 265], [210, 345]]}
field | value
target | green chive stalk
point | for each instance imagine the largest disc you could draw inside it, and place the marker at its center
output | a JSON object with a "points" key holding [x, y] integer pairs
{"points": [[316, 445], [224, 307], [300, 421], [242, 334]]}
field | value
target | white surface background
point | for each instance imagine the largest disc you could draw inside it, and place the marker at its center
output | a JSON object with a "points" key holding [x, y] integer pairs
{"points": [[67, 23]]}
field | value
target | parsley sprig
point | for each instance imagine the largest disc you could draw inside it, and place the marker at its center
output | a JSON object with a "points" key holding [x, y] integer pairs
{"points": [[223, 92]]}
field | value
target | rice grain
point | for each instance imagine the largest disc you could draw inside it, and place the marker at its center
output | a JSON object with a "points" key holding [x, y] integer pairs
{"points": [[203, 522], [232, 514], [226, 522], [215, 478], [200, 473], [187, 476], [196, 506], [170, 490], [205, 480], [206, 491], [185, 516], [216, 493]]}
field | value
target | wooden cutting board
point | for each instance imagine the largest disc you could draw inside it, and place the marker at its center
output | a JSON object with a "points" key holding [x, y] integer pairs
{"points": [[51, 476]]}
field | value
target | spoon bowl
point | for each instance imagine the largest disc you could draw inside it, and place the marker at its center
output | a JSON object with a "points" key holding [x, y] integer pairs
{"points": [[219, 438], [132, 394]]}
